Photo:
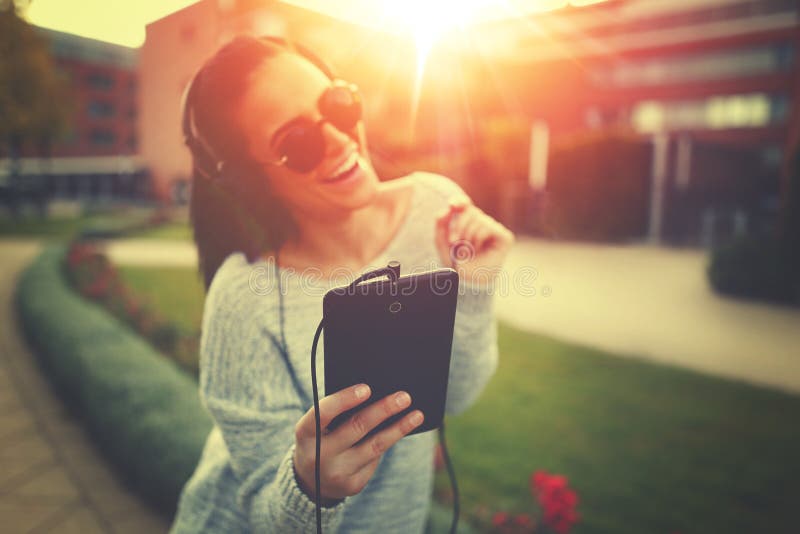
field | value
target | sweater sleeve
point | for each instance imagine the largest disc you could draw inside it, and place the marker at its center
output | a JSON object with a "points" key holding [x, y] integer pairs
{"points": [[245, 385], [474, 357]]}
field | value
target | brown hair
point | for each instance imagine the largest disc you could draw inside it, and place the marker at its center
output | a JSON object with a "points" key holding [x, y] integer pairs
{"points": [[238, 212]]}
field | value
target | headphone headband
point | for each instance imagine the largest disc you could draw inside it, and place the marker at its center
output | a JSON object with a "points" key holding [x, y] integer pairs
{"points": [[206, 161]]}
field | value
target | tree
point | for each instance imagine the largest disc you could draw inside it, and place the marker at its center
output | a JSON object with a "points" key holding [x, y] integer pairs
{"points": [[34, 102]]}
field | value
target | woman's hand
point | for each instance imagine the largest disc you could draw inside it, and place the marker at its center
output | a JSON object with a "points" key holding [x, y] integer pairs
{"points": [[471, 242], [345, 468]]}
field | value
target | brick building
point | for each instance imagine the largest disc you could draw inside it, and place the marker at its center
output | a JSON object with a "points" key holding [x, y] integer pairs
{"points": [[97, 156]]}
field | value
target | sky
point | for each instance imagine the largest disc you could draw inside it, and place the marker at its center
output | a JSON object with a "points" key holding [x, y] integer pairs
{"points": [[123, 21], [116, 21]]}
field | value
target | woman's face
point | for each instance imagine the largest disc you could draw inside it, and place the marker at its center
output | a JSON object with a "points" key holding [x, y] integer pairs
{"points": [[285, 87]]}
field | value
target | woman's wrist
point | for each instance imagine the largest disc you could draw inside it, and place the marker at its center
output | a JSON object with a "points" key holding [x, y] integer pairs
{"points": [[309, 492]]}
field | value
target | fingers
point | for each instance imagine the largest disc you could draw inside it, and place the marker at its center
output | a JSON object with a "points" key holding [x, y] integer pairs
{"points": [[364, 420], [447, 225], [464, 224], [476, 228], [365, 454], [442, 238], [471, 224], [329, 407]]}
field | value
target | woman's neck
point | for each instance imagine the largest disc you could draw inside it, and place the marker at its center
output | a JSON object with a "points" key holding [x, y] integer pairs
{"points": [[348, 241]]}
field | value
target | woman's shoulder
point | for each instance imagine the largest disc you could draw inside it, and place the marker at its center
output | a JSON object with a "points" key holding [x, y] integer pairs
{"points": [[421, 192], [238, 283], [437, 184], [229, 274]]}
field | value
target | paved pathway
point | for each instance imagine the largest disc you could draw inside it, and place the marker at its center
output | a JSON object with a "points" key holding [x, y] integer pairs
{"points": [[151, 252], [636, 300], [51, 477], [654, 303]]}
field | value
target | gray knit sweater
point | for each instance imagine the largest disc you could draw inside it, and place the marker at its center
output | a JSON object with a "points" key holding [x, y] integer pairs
{"points": [[245, 480]]}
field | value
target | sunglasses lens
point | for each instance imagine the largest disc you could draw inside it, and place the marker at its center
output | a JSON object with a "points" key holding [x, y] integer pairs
{"points": [[303, 147], [341, 105]]}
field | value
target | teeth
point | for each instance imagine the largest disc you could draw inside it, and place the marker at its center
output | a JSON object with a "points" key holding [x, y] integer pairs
{"points": [[346, 165]]}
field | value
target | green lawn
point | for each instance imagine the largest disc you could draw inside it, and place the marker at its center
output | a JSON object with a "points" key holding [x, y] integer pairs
{"points": [[176, 292], [51, 228], [172, 230], [650, 449], [122, 220]]}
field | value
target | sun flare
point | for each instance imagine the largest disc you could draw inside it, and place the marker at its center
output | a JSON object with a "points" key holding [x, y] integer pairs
{"points": [[427, 20]]}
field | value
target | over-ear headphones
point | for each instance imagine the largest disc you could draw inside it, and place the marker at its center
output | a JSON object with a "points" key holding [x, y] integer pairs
{"points": [[206, 161]]}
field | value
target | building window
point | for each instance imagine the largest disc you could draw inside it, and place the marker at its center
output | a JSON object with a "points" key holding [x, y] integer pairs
{"points": [[719, 112], [102, 137], [100, 80], [728, 64], [100, 108], [70, 135]]}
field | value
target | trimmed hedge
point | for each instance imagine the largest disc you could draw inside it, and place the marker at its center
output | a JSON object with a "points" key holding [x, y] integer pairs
{"points": [[754, 268], [597, 187], [140, 408]]}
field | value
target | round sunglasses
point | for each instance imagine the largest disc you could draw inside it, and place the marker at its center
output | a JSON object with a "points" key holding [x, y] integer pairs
{"points": [[301, 142]]}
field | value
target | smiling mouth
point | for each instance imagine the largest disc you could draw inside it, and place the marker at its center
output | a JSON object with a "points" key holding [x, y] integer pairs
{"points": [[345, 169]]}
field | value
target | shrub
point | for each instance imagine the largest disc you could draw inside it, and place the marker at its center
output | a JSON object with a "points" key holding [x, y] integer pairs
{"points": [[96, 278], [789, 233], [597, 188], [140, 408], [757, 268]]}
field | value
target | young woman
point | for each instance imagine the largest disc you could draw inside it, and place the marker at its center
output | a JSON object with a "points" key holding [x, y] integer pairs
{"points": [[284, 202]]}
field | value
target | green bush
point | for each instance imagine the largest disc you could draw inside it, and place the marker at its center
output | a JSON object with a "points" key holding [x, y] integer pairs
{"points": [[756, 268], [140, 408], [597, 187]]}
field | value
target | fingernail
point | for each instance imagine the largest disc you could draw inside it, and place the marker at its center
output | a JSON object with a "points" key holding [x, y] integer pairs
{"points": [[362, 391], [416, 418], [402, 399]]}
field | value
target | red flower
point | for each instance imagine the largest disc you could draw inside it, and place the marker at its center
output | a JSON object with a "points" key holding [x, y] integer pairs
{"points": [[558, 502], [78, 253], [538, 480], [98, 287], [132, 306], [523, 520], [499, 519]]}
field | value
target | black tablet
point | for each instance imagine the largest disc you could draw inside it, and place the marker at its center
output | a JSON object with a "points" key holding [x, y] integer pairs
{"points": [[392, 334]]}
